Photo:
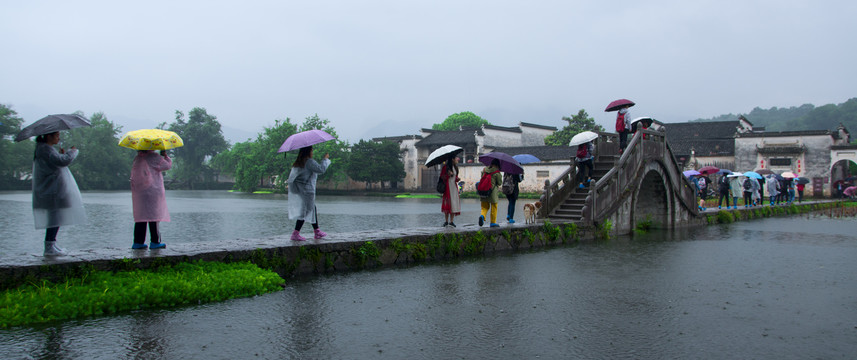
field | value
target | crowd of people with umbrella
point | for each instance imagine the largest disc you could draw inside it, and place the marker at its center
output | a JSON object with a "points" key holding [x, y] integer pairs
{"points": [[750, 186]]}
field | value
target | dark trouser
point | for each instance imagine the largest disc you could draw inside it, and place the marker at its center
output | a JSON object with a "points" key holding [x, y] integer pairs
{"points": [[703, 194], [799, 195], [581, 167], [623, 139], [748, 198], [51, 233], [300, 223], [724, 195], [140, 232], [510, 211]]}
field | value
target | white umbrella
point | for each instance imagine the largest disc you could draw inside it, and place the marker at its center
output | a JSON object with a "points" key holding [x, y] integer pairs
{"points": [[583, 138], [440, 155]]}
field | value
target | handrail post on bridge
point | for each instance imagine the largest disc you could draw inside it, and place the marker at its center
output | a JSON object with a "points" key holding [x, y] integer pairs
{"points": [[546, 205]]}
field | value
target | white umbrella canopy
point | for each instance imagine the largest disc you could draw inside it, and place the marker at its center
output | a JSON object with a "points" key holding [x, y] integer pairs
{"points": [[440, 155], [583, 138]]}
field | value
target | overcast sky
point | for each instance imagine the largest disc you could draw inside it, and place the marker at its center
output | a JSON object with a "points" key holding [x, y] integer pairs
{"points": [[382, 68]]}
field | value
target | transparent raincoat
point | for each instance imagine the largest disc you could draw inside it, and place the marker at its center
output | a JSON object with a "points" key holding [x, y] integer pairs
{"points": [[302, 189], [56, 198]]}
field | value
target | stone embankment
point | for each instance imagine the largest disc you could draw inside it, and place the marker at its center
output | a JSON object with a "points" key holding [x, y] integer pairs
{"points": [[353, 250]]}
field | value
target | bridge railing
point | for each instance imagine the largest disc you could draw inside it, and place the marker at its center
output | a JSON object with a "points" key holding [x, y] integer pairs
{"points": [[556, 191], [606, 195]]}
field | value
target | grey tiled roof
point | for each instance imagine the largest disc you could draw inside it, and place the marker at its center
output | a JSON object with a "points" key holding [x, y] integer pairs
{"points": [[712, 138], [440, 138]]}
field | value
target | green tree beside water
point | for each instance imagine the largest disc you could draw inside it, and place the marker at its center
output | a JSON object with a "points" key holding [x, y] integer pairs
{"points": [[576, 124], [375, 162], [202, 139], [101, 163], [462, 119]]}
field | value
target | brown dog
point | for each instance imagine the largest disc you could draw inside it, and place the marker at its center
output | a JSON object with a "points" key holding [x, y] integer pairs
{"points": [[530, 212]]}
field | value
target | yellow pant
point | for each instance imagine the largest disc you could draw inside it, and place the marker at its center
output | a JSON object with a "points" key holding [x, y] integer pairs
{"points": [[493, 206]]}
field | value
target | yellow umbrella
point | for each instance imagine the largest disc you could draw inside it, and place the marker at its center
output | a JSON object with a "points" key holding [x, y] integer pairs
{"points": [[151, 139]]}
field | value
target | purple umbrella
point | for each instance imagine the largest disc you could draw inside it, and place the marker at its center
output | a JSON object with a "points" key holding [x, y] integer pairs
{"points": [[690, 173], [618, 104], [304, 139], [508, 164]]}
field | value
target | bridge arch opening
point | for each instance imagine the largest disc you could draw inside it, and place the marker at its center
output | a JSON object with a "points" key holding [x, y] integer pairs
{"points": [[652, 202]]}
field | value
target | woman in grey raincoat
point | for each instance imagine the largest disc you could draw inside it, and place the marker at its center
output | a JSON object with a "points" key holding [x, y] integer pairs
{"points": [[302, 179], [56, 198]]}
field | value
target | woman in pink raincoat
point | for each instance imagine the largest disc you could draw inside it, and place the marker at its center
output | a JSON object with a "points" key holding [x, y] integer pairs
{"points": [[149, 197]]}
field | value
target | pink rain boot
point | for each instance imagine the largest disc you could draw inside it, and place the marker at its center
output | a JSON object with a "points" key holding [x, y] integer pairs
{"points": [[296, 236], [319, 234]]}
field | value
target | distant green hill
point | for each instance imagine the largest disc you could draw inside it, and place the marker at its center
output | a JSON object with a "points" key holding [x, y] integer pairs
{"points": [[804, 117]]}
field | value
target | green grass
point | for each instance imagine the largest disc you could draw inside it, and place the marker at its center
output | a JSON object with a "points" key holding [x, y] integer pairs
{"points": [[105, 292], [263, 192], [418, 196]]}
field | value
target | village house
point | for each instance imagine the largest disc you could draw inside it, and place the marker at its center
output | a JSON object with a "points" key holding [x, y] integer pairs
{"points": [[415, 150]]}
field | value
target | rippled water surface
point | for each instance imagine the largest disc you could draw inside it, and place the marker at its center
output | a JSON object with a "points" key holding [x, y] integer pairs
{"points": [[199, 216], [781, 288]]}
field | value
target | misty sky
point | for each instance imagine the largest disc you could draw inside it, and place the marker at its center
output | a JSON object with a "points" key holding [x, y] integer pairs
{"points": [[381, 68]]}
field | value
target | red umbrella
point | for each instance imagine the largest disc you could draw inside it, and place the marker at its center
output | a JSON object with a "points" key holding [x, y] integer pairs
{"points": [[618, 104], [708, 170]]}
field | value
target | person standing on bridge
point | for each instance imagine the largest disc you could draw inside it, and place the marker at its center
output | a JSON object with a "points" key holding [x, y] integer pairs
{"points": [[623, 126], [736, 189], [585, 155], [302, 179], [148, 197]]}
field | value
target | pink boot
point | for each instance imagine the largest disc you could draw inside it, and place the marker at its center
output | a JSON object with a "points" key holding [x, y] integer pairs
{"points": [[319, 234], [296, 236]]}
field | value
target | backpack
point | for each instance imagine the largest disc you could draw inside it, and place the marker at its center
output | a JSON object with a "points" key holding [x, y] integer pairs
{"points": [[484, 186], [582, 151], [702, 183], [508, 187], [441, 185], [747, 185], [620, 122]]}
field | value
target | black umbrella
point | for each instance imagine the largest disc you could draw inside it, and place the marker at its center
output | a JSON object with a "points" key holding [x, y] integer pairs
{"points": [[52, 123], [802, 180]]}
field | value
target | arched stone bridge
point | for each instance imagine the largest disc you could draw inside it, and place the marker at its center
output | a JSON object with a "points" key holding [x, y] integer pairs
{"points": [[643, 184]]}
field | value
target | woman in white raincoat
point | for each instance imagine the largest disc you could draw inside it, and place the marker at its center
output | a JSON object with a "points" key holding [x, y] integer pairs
{"points": [[302, 179], [56, 198], [148, 197]]}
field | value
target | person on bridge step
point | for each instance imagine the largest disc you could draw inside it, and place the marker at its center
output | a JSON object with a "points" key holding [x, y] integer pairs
{"points": [[623, 126], [56, 198], [723, 191], [585, 156], [450, 203], [148, 197], [489, 202], [511, 190], [302, 179]]}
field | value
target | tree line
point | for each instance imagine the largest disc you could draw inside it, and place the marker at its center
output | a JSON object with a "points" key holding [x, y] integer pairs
{"points": [[797, 118], [205, 156]]}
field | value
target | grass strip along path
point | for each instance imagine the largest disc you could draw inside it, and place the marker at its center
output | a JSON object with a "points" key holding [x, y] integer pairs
{"points": [[105, 292]]}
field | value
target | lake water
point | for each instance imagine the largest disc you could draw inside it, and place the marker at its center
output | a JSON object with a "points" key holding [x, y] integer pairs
{"points": [[199, 216], [778, 288]]}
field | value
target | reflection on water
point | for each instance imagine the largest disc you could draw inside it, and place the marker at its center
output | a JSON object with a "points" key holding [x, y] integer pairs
{"points": [[771, 288], [199, 216]]}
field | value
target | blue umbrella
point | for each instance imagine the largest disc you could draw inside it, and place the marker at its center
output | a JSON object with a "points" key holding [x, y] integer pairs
{"points": [[526, 158], [752, 174], [723, 172]]}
